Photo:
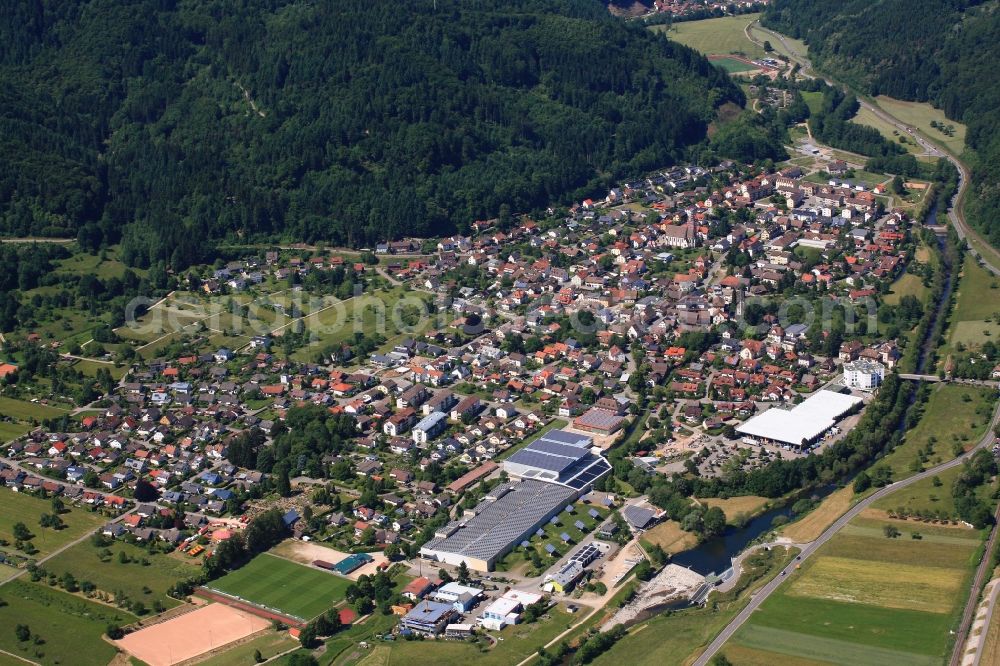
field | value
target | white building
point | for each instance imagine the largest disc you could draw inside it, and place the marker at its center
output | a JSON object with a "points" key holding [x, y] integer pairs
{"points": [[507, 609], [430, 427], [864, 374]]}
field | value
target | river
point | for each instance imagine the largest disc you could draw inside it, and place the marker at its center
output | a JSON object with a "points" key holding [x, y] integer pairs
{"points": [[715, 555]]}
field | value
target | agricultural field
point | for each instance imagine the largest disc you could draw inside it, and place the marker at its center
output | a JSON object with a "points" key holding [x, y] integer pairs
{"points": [[719, 36], [290, 588], [21, 508], [132, 578], [69, 626], [867, 599], [920, 115]]}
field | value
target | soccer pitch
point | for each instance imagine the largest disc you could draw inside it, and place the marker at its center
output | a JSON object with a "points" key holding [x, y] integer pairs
{"points": [[283, 586]]}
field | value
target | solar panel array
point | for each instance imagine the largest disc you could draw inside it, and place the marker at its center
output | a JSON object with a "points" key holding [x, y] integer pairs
{"points": [[500, 524], [559, 456]]}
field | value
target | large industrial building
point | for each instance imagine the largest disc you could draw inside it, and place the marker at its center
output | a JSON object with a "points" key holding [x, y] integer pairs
{"points": [[559, 457], [548, 475], [508, 515], [804, 424]]}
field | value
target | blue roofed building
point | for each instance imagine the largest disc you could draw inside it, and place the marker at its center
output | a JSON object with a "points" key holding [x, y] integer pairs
{"points": [[429, 617], [560, 457]]}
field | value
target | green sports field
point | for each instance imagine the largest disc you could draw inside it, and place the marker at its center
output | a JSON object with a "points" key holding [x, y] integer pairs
{"points": [[284, 586]]}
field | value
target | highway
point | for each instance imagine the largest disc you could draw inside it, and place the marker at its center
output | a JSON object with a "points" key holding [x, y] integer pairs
{"points": [[810, 548]]}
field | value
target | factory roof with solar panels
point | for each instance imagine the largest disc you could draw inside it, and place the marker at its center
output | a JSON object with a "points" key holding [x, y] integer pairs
{"points": [[508, 515], [560, 457]]}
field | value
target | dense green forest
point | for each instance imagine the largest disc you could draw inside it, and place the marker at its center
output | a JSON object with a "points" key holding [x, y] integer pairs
{"points": [[166, 123], [938, 51]]}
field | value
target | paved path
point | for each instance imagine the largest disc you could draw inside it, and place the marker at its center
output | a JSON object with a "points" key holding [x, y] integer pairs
{"points": [[809, 549]]}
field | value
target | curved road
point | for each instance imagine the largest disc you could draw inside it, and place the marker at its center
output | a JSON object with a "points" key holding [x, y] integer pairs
{"points": [[812, 547], [955, 213]]}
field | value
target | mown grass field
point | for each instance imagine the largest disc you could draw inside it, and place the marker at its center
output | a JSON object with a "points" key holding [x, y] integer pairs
{"points": [[83, 561], [719, 36], [21, 508], [290, 588], [924, 495], [797, 46], [733, 506], [868, 118], [814, 523], [978, 293], [920, 115], [907, 284], [71, 627], [392, 314], [25, 411], [671, 537]]}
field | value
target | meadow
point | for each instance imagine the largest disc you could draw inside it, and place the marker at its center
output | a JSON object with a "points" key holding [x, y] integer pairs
{"points": [[26, 411], [69, 625], [269, 644], [814, 523], [296, 590], [907, 284], [132, 578], [670, 537], [920, 115], [719, 36], [948, 419], [733, 506], [21, 508]]}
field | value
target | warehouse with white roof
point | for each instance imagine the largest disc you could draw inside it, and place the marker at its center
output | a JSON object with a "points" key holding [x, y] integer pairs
{"points": [[805, 423]]}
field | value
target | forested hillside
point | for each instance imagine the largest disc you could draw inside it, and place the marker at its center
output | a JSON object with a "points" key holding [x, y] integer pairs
{"points": [[164, 123], [940, 51]]}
